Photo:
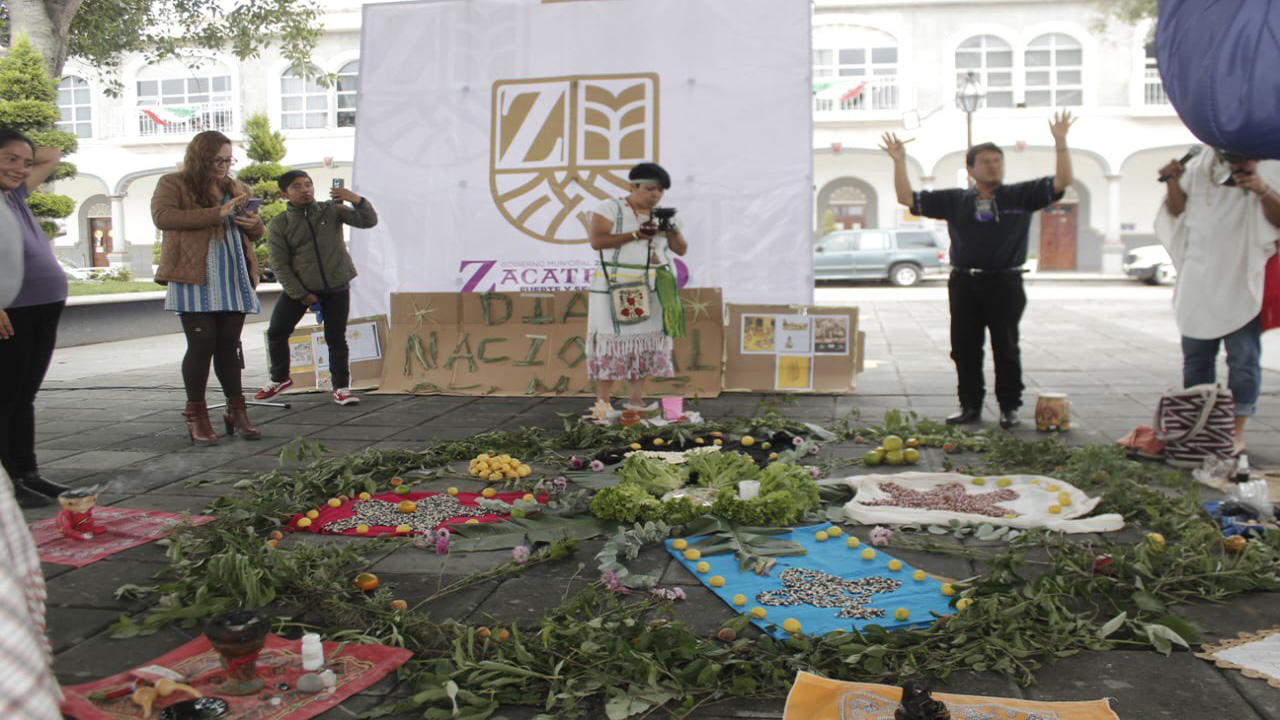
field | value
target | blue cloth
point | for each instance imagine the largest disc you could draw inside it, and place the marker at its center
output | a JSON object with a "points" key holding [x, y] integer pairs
{"points": [[1218, 62], [920, 598], [1231, 524], [43, 282], [226, 281], [1244, 364]]}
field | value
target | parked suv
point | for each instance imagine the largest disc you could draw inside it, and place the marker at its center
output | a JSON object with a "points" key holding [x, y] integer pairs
{"points": [[900, 256], [1150, 264]]}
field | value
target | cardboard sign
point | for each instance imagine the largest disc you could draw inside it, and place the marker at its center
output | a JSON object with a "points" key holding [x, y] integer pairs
{"points": [[792, 348], [309, 355], [517, 344]]}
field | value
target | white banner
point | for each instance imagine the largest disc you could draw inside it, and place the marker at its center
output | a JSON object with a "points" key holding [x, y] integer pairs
{"points": [[487, 128]]}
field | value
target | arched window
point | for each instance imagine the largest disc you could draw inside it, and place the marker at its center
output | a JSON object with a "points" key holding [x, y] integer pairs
{"points": [[990, 59], [347, 88], [1054, 71], [75, 107], [304, 103]]}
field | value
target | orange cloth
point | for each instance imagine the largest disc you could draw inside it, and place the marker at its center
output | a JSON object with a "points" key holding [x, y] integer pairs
{"points": [[817, 698]]}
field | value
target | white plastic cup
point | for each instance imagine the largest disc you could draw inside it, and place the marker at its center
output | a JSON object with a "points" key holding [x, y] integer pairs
{"points": [[748, 489]]}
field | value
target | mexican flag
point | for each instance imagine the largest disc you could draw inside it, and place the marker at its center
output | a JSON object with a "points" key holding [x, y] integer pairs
{"points": [[170, 115], [841, 91]]}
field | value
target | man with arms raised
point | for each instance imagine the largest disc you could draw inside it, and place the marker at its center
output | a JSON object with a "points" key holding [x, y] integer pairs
{"points": [[988, 224]]}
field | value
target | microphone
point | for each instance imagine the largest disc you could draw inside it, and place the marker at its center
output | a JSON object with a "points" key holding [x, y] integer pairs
{"points": [[1192, 152]]}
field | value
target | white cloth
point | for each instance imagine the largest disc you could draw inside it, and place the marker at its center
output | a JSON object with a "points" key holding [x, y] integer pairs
{"points": [[1035, 495], [1220, 245], [11, 257], [28, 689]]}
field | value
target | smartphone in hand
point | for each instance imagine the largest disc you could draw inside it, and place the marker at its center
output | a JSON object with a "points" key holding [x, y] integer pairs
{"points": [[338, 184], [252, 205]]}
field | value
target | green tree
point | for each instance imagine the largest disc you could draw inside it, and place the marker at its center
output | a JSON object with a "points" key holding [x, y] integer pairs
{"points": [[828, 223], [266, 149], [28, 103], [1130, 11], [102, 32]]}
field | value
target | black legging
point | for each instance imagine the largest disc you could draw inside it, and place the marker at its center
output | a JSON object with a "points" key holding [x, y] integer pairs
{"points": [[212, 336], [24, 358]]}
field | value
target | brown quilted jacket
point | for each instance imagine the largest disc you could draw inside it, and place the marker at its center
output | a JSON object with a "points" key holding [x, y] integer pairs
{"points": [[187, 227]]}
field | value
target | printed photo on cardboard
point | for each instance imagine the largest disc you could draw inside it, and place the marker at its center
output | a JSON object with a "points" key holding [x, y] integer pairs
{"points": [[831, 334], [794, 372], [759, 334], [301, 359], [794, 334]]}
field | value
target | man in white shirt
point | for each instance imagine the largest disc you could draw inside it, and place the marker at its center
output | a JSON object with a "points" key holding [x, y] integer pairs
{"points": [[1221, 221]]}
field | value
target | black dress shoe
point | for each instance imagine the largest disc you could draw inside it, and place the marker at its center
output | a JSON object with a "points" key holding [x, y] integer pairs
{"points": [[1009, 418], [28, 498], [33, 481], [965, 416]]}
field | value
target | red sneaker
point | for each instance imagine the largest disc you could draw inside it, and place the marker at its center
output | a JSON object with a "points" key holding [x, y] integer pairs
{"points": [[343, 396], [273, 389]]}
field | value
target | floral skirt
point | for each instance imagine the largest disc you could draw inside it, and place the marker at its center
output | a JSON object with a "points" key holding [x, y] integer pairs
{"points": [[629, 357]]}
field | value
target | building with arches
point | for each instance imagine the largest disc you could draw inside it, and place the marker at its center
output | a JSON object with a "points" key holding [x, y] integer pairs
{"points": [[877, 66], [898, 66]]}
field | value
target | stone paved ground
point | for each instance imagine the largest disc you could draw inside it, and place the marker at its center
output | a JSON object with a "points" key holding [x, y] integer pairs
{"points": [[1111, 347]]}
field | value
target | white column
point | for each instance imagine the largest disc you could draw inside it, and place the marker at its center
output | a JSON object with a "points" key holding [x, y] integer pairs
{"points": [[119, 255], [1112, 247]]}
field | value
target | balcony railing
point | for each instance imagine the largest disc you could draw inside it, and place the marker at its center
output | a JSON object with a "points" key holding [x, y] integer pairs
{"points": [[879, 93], [1153, 89], [154, 120]]}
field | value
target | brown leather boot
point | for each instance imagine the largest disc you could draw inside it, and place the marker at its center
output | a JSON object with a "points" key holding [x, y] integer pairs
{"points": [[198, 427], [237, 419]]}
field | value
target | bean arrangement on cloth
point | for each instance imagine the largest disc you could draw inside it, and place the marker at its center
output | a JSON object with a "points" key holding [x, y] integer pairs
{"points": [[838, 584], [420, 512]]}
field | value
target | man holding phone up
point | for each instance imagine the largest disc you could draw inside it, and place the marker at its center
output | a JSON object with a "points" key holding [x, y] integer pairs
{"points": [[1220, 222], [311, 261]]}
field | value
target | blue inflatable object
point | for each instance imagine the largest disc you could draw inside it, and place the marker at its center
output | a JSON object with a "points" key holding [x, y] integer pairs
{"points": [[1220, 62]]}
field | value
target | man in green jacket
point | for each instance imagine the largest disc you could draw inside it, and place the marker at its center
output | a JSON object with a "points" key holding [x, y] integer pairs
{"points": [[311, 261]]}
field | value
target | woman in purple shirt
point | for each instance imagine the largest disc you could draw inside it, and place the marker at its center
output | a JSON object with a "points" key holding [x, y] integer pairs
{"points": [[28, 323]]}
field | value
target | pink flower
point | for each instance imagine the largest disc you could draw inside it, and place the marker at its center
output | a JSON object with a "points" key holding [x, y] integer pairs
{"points": [[442, 544], [814, 450], [609, 579], [560, 483], [596, 466], [673, 593], [520, 554], [797, 441], [880, 535], [576, 462], [815, 473]]}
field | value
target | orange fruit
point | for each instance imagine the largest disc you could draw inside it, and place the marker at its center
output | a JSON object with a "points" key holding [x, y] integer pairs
{"points": [[273, 543], [489, 492], [407, 506], [276, 535], [483, 633], [364, 496], [503, 635], [334, 502], [313, 514], [398, 605], [362, 529], [304, 522], [403, 490], [402, 529], [397, 482], [1235, 543], [366, 581]]}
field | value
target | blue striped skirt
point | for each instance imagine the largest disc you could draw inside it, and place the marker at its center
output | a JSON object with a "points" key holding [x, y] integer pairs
{"points": [[226, 286]]}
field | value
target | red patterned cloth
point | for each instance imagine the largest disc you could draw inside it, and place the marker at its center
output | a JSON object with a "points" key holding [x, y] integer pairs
{"points": [[345, 516], [1271, 294], [279, 664], [125, 528]]}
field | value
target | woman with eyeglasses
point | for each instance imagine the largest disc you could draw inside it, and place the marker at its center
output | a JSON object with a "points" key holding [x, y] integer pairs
{"points": [[32, 295], [208, 263]]}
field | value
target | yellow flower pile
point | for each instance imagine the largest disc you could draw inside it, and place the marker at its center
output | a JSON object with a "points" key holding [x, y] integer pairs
{"points": [[498, 467]]}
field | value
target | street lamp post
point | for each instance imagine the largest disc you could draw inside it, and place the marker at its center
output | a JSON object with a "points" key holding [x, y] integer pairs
{"points": [[969, 98]]}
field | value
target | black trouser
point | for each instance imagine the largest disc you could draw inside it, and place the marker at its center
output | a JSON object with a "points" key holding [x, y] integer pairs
{"points": [[979, 303], [335, 306], [24, 358], [212, 336]]}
